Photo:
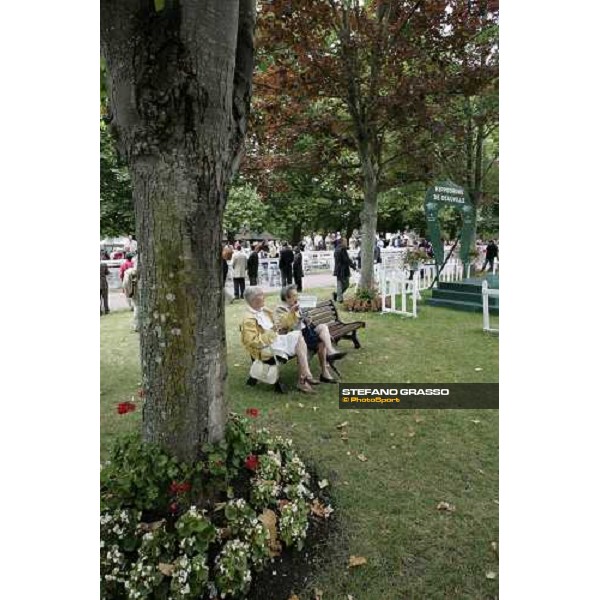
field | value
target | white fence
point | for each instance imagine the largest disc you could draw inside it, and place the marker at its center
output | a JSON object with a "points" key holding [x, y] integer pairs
{"points": [[317, 260], [453, 271], [396, 282], [391, 259], [488, 292]]}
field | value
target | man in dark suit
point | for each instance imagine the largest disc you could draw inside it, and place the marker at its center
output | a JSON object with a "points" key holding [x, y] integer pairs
{"points": [[252, 265], [341, 269], [491, 254], [286, 260]]}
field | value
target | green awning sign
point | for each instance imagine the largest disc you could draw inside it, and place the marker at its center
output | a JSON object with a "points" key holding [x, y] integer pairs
{"points": [[447, 193]]}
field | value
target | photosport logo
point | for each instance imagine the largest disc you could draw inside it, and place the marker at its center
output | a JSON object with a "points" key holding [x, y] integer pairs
{"points": [[424, 395]]}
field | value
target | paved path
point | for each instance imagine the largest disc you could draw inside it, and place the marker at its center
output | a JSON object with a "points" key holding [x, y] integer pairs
{"points": [[116, 299]]}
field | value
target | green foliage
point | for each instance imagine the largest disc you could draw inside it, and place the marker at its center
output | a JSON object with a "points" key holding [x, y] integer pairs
{"points": [[198, 529], [233, 573], [116, 203], [383, 90], [244, 211], [155, 540], [138, 475], [401, 207], [363, 293], [293, 524], [237, 440]]}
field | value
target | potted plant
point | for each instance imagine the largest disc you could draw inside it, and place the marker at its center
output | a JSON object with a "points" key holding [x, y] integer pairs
{"points": [[415, 258], [365, 299]]}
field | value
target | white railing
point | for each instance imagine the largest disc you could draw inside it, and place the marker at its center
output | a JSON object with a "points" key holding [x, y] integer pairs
{"points": [[488, 292], [322, 260], [395, 282], [453, 271], [317, 260], [426, 276], [268, 272]]}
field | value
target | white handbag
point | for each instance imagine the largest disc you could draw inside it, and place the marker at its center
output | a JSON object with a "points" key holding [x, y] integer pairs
{"points": [[264, 372]]}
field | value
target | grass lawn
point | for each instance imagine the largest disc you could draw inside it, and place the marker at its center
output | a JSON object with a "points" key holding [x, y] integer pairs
{"points": [[386, 507]]}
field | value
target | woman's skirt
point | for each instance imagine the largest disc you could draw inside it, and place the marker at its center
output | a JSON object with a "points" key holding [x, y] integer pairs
{"points": [[285, 345]]}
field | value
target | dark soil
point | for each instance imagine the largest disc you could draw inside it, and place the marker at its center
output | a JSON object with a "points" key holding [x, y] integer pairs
{"points": [[292, 571]]}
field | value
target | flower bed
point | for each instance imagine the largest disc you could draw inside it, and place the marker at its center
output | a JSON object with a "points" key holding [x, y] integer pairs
{"points": [[365, 300], [173, 530]]}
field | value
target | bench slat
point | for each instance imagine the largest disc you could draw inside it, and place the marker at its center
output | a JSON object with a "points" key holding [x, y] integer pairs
{"points": [[323, 319], [343, 330], [318, 312], [325, 313]]}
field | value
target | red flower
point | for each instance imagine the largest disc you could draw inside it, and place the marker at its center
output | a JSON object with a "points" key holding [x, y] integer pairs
{"points": [[125, 407], [252, 412], [173, 507], [180, 488], [251, 462]]}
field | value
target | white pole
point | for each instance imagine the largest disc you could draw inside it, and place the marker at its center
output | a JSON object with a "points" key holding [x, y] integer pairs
{"points": [[415, 293], [486, 314], [403, 284]]}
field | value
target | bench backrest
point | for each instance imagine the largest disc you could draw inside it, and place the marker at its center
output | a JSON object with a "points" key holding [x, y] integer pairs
{"points": [[324, 313]]}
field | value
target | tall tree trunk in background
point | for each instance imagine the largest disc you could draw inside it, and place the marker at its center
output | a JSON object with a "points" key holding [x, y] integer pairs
{"points": [[296, 234], [474, 157], [368, 216], [180, 87], [478, 174]]}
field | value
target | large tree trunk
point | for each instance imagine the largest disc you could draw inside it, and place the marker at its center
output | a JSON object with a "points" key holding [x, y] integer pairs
{"points": [[180, 89], [478, 175], [296, 236], [368, 217]]}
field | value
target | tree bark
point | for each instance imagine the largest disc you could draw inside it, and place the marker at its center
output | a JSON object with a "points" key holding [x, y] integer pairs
{"points": [[478, 174], [296, 236], [180, 86], [368, 216]]}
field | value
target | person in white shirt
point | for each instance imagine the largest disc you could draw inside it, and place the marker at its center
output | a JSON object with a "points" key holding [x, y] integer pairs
{"points": [[239, 264]]}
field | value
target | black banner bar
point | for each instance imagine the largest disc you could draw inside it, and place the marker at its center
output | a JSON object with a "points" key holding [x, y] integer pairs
{"points": [[418, 395]]}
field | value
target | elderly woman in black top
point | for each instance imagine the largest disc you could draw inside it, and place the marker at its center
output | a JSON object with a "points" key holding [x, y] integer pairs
{"points": [[287, 318]]}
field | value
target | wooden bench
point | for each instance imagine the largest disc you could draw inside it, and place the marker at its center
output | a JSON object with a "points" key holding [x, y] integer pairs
{"points": [[325, 313]]}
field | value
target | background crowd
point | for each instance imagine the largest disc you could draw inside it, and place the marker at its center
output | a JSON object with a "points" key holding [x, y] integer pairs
{"points": [[247, 260]]}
